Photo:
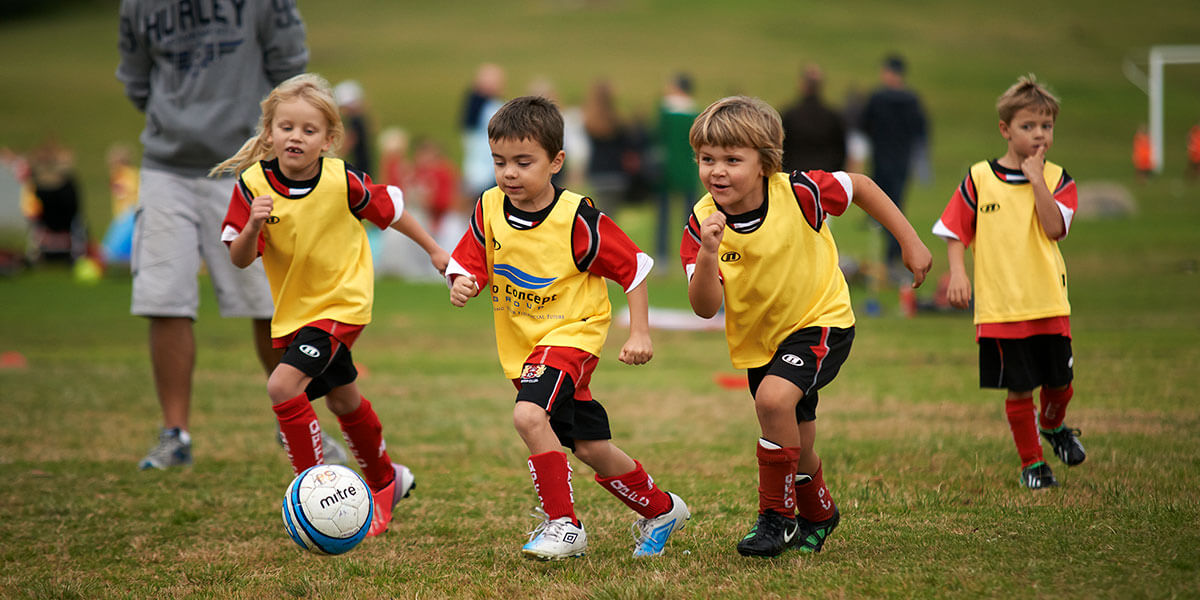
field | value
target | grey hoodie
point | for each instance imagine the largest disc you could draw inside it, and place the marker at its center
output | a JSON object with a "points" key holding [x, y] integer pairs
{"points": [[200, 68]]}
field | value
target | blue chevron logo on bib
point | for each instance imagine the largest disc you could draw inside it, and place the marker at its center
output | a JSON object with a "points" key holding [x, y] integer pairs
{"points": [[523, 279]]}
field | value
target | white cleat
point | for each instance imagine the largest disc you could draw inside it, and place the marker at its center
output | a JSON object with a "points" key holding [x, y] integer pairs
{"points": [[650, 535], [555, 540]]}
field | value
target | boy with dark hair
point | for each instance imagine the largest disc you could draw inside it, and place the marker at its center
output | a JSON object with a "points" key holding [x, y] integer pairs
{"points": [[1012, 211], [757, 243], [543, 254]]}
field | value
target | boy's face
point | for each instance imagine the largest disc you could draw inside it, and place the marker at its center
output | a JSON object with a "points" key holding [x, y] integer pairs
{"points": [[1028, 131], [733, 176], [523, 171], [299, 134]]}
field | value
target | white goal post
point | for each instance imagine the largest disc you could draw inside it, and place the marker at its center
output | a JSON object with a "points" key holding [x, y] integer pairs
{"points": [[1152, 84]]}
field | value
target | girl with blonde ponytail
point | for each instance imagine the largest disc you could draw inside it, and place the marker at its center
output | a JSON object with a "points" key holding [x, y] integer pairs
{"points": [[301, 211]]}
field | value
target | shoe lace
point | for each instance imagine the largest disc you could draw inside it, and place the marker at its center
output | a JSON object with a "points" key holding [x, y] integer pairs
{"points": [[547, 527], [164, 451], [641, 531]]}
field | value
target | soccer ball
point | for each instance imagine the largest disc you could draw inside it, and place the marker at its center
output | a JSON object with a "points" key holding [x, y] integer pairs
{"points": [[327, 509]]}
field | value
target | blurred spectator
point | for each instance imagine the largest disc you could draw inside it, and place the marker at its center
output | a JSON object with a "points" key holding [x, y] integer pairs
{"points": [[123, 188], [482, 101], [607, 177], [896, 124], [1143, 159], [576, 144], [51, 202], [858, 145], [678, 177], [1193, 151], [357, 146], [435, 185], [814, 134], [394, 165]]}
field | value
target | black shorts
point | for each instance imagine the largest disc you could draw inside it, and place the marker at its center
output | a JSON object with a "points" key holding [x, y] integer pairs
{"points": [[571, 419], [320, 356], [1021, 365], [809, 358]]}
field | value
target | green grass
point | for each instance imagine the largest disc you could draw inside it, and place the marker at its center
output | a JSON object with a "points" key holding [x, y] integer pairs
{"points": [[919, 459]]}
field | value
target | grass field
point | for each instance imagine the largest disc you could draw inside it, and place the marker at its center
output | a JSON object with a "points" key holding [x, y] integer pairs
{"points": [[919, 459]]}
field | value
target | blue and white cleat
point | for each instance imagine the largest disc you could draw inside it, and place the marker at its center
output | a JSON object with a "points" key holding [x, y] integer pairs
{"points": [[650, 535], [555, 540]]}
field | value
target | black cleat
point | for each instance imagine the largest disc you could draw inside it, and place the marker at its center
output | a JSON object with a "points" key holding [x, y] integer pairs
{"points": [[813, 534], [1038, 476], [771, 535], [1066, 445]]}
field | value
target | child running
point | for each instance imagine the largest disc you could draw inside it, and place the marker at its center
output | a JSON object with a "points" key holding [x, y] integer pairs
{"points": [[543, 253], [300, 211], [1005, 210], [758, 243]]}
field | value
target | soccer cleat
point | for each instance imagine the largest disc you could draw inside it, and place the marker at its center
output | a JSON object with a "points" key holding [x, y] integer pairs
{"points": [[555, 540], [650, 535], [385, 499], [771, 535], [333, 451], [1038, 476], [171, 451], [812, 534], [1066, 445]]}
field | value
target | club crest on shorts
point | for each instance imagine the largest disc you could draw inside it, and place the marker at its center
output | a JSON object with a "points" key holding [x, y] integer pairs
{"points": [[531, 373]]}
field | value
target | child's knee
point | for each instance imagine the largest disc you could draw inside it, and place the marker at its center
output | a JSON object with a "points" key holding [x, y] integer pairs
{"points": [[528, 417]]}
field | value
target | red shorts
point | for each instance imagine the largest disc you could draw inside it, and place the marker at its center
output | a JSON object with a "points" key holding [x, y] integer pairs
{"points": [[579, 364]]}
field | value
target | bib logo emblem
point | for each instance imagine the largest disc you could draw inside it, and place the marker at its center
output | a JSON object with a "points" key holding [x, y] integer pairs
{"points": [[731, 257], [310, 351], [990, 207], [792, 359], [271, 220]]}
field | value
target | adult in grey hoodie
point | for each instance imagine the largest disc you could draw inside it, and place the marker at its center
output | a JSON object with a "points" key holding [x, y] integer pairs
{"points": [[198, 70]]}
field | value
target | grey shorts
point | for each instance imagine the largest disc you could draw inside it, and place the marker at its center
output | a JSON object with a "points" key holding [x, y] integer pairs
{"points": [[178, 225]]}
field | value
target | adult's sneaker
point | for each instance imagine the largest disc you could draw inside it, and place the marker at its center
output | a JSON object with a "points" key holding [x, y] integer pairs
{"points": [[1066, 444], [174, 449], [1038, 476], [650, 535], [813, 534], [385, 499], [555, 539], [772, 534], [334, 452]]}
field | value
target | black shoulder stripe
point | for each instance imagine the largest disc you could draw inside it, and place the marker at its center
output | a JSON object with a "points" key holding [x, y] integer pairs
{"points": [[693, 228], [590, 217], [815, 215], [247, 195], [1063, 182], [366, 199], [476, 215], [967, 190]]}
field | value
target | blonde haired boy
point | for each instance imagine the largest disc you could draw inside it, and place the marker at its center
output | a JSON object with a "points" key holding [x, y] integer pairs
{"points": [[1013, 211], [758, 243]]}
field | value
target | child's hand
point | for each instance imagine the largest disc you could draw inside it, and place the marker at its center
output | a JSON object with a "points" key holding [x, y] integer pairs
{"points": [[464, 288], [712, 231], [637, 350], [260, 209], [958, 293], [440, 258], [1034, 165], [919, 260]]}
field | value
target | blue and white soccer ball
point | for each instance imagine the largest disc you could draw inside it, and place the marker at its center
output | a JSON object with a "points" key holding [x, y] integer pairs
{"points": [[327, 509]]}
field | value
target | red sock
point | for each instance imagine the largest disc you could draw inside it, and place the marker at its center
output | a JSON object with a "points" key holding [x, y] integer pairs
{"points": [[1024, 429], [552, 482], [777, 478], [1054, 406], [637, 490], [364, 436], [301, 432], [813, 501]]}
